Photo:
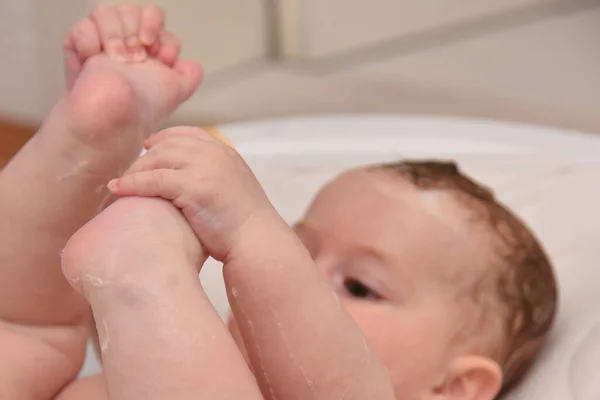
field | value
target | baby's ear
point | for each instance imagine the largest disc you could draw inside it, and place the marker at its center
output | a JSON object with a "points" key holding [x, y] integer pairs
{"points": [[471, 378]]}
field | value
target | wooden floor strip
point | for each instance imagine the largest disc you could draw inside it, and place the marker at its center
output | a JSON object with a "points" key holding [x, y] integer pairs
{"points": [[12, 137]]}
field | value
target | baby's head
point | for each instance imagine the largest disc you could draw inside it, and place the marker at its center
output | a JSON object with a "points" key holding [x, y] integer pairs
{"points": [[452, 291]]}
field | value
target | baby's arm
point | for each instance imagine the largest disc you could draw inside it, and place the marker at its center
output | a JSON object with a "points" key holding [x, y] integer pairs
{"points": [[301, 342], [294, 327]]}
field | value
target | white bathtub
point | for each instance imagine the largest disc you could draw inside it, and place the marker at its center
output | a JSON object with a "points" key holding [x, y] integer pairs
{"points": [[550, 177]]}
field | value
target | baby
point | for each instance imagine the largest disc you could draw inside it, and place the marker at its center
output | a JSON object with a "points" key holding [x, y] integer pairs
{"points": [[448, 286], [402, 281]]}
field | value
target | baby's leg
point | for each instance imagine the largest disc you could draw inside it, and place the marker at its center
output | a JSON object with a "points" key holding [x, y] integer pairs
{"points": [[301, 342], [51, 188], [137, 263], [57, 182]]}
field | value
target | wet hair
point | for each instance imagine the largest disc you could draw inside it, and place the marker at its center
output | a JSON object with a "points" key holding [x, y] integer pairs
{"points": [[525, 294]]}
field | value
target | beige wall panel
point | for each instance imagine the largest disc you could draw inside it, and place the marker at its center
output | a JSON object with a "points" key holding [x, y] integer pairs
{"points": [[315, 28]]}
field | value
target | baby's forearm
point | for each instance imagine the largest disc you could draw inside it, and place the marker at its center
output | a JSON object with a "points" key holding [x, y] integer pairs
{"points": [[293, 325]]}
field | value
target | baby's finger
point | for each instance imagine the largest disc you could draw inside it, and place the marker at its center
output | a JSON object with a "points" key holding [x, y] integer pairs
{"points": [[175, 158], [162, 183], [170, 47], [130, 15], [152, 23], [186, 131], [110, 27]]}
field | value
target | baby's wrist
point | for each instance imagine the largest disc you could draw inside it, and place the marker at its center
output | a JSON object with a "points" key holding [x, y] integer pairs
{"points": [[264, 229]]}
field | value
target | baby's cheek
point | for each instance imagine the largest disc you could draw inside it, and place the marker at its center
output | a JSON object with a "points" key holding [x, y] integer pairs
{"points": [[399, 342], [373, 325]]}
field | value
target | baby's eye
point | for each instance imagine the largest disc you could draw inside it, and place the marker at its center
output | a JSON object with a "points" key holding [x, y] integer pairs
{"points": [[357, 289]]}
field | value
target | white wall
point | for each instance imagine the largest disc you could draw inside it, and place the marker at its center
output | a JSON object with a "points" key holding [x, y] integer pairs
{"points": [[219, 34], [19, 70], [316, 28], [31, 77], [548, 67]]}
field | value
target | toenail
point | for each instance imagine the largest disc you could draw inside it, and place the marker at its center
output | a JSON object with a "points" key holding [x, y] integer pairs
{"points": [[118, 51], [147, 37], [139, 54]]}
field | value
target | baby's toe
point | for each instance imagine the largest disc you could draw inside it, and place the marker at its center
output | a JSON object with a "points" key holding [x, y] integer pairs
{"points": [[151, 24], [170, 47], [130, 16], [111, 31], [84, 39]]}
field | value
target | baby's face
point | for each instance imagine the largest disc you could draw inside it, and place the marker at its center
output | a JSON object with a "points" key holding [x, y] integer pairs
{"points": [[388, 248]]}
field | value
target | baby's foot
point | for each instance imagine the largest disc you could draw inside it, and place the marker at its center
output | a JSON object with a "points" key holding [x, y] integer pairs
{"points": [[136, 263], [117, 95], [123, 76], [133, 240]]}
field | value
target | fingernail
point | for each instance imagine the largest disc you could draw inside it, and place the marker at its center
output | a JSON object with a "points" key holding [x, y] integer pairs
{"points": [[112, 185]]}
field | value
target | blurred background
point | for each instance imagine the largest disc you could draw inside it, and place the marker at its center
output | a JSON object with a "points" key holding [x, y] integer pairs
{"points": [[531, 61]]}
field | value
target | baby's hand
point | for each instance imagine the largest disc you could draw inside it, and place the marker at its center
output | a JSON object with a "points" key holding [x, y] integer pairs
{"points": [[208, 180]]}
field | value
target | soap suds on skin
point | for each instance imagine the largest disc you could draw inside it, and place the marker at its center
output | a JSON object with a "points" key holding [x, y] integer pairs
{"points": [[92, 280], [103, 202], [291, 355], [105, 338], [258, 352], [76, 170], [337, 299], [209, 218]]}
